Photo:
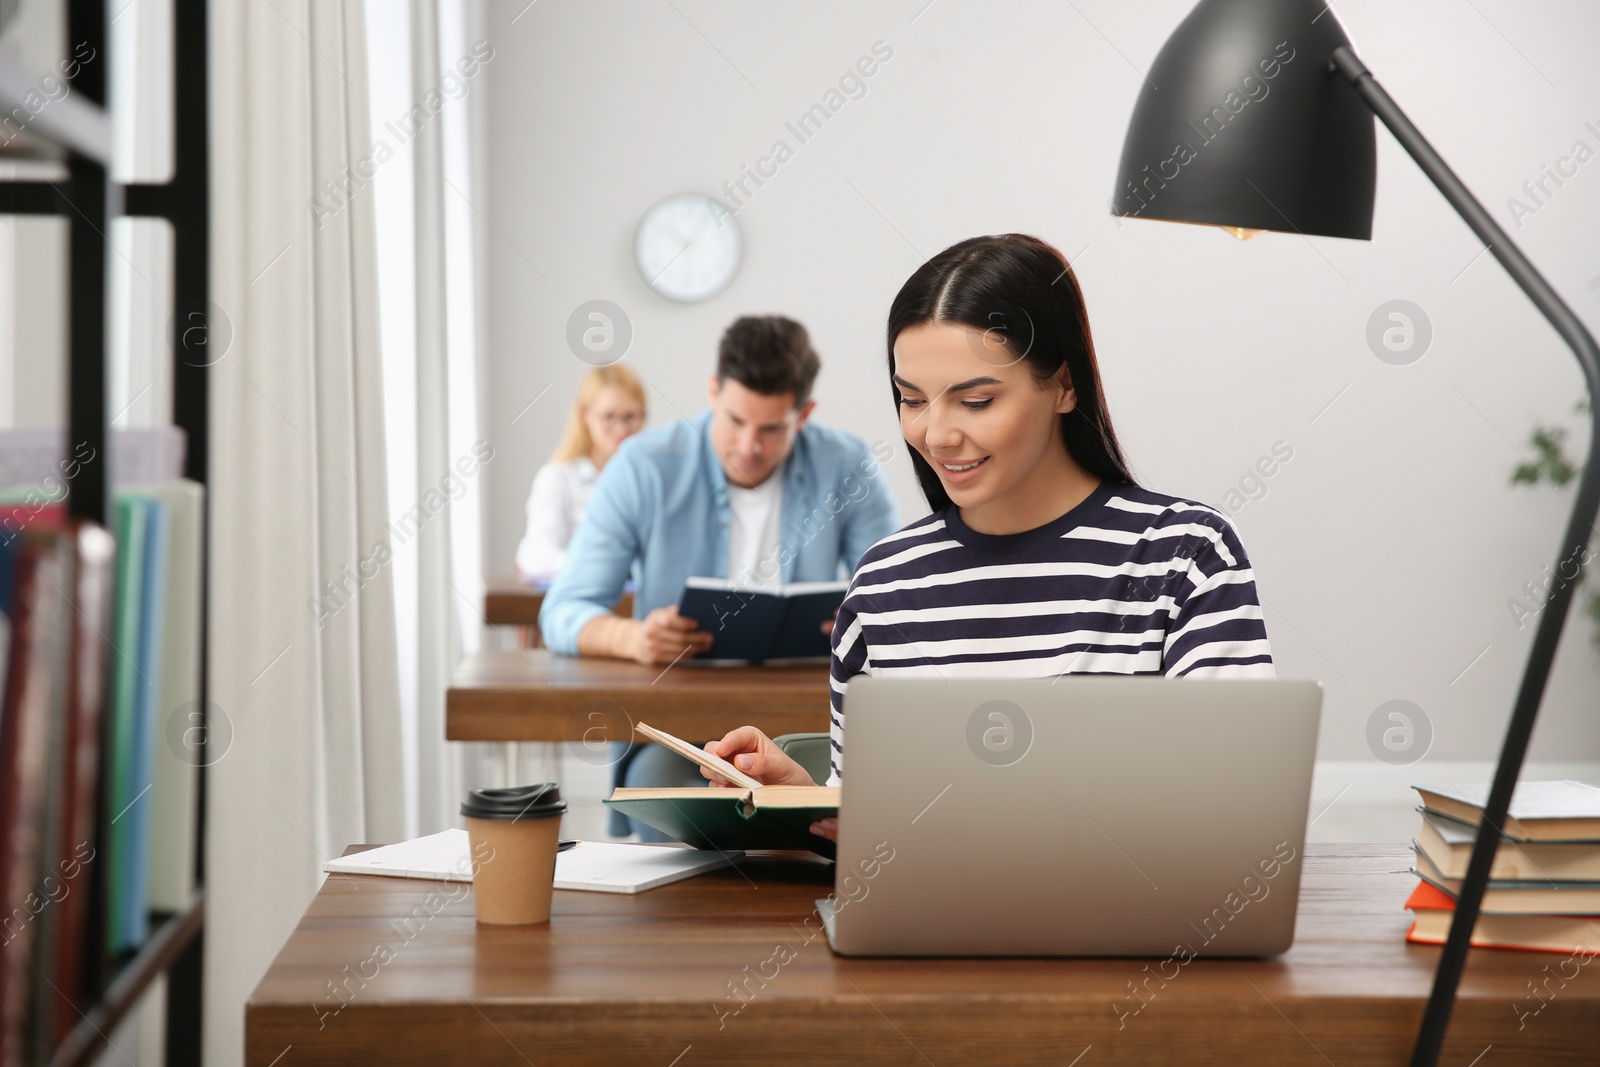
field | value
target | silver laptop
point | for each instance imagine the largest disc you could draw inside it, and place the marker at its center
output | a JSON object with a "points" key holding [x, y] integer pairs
{"points": [[1079, 816]]}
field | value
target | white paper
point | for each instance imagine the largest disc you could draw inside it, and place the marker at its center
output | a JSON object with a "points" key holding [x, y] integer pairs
{"points": [[596, 866]]}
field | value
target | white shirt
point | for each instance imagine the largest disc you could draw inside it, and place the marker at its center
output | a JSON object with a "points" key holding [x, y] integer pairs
{"points": [[556, 505], [753, 533]]}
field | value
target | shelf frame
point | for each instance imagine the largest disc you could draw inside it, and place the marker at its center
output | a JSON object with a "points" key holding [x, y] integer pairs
{"points": [[169, 943], [79, 126]]}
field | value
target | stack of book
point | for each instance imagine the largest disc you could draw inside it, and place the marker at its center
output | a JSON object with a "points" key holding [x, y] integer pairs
{"points": [[1544, 887]]}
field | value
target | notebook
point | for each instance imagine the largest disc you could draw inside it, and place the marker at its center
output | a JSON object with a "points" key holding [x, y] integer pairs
{"points": [[596, 866]]}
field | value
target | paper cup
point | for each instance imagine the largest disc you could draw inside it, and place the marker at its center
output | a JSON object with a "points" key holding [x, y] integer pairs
{"points": [[514, 834]]}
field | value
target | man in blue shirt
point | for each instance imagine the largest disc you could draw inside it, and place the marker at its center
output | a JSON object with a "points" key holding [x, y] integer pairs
{"points": [[752, 491]]}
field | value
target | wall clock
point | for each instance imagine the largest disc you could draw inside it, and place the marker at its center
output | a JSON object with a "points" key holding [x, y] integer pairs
{"points": [[688, 247]]}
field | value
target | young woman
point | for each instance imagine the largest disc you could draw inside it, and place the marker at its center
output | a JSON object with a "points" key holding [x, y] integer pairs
{"points": [[1042, 555], [608, 410]]}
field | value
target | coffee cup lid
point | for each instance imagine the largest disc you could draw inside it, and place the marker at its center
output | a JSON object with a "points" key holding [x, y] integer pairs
{"points": [[516, 802]]}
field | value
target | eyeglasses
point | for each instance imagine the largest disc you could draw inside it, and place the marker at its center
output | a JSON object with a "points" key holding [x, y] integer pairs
{"points": [[627, 422]]}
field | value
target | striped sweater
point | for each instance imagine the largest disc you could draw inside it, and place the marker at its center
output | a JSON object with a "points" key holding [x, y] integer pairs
{"points": [[1127, 582]]}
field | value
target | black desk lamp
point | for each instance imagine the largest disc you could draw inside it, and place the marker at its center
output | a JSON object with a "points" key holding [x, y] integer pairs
{"points": [[1255, 117]]}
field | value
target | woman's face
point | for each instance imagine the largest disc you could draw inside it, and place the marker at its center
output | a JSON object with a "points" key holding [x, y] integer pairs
{"points": [[977, 414], [612, 418]]}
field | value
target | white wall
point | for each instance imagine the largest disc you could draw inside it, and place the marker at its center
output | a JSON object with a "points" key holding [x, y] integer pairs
{"points": [[139, 294], [33, 249], [1386, 549], [33, 259]]}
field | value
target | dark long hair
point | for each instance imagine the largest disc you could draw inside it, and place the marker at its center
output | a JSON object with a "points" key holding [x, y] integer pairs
{"points": [[1021, 290]]}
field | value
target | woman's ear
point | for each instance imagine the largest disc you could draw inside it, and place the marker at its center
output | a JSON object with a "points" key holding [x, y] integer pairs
{"points": [[1067, 400]]}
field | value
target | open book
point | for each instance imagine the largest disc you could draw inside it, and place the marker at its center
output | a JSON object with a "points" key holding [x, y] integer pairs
{"points": [[756, 625], [747, 816]]}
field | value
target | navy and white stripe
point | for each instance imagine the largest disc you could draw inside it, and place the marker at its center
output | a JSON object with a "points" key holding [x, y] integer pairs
{"points": [[1128, 582]]}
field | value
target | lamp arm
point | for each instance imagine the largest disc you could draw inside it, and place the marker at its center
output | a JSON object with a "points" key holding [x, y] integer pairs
{"points": [[1575, 548]]}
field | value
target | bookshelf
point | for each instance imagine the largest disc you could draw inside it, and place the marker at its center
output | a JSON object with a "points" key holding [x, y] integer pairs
{"points": [[77, 129]]}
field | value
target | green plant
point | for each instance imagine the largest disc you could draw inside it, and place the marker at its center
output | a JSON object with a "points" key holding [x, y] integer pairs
{"points": [[1551, 464]]}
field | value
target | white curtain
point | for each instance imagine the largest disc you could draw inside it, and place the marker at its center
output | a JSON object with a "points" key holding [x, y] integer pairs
{"points": [[429, 63], [302, 635], [446, 43], [347, 451]]}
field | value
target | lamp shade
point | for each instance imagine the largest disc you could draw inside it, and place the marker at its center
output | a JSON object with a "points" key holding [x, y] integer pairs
{"points": [[1242, 124]]}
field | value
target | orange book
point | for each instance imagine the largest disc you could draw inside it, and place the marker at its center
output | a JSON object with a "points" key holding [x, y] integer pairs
{"points": [[1433, 909]]}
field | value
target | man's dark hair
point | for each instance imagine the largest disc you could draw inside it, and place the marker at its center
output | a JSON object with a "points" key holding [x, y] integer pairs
{"points": [[770, 355]]}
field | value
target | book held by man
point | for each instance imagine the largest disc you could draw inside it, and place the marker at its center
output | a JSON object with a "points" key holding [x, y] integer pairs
{"points": [[761, 625]]}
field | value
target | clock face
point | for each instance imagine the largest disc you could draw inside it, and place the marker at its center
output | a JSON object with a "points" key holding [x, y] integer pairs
{"points": [[688, 247]]}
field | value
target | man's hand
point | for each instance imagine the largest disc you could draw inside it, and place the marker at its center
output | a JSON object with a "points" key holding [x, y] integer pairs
{"points": [[753, 752], [664, 636], [827, 624]]}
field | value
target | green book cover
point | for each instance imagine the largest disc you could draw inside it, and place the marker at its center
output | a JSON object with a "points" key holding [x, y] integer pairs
{"points": [[774, 816], [125, 683]]}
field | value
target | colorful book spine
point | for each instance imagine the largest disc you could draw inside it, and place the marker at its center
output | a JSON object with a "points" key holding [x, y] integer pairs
{"points": [[146, 728], [92, 589], [131, 527], [30, 736]]}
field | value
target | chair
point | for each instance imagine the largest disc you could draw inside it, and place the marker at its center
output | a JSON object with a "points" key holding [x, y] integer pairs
{"points": [[811, 751]]}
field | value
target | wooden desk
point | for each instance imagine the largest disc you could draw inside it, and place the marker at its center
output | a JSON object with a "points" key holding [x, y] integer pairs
{"points": [[537, 695], [646, 979], [509, 602]]}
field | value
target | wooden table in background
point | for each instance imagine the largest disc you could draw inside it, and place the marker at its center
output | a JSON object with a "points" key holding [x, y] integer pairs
{"points": [[509, 602], [537, 695], [647, 979]]}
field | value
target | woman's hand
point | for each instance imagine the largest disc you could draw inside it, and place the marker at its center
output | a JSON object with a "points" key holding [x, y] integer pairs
{"points": [[753, 752]]}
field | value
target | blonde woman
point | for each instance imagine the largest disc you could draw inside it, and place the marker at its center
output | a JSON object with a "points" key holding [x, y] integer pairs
{"points": [[609, 409]]}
